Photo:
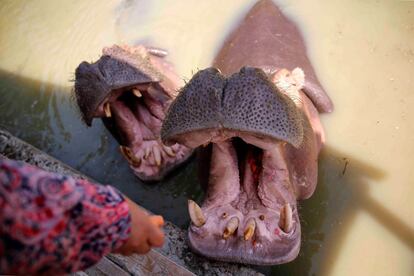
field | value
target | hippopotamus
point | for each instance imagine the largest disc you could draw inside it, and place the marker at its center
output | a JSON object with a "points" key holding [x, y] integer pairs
{"points": [[130, 88], [254, 118]]}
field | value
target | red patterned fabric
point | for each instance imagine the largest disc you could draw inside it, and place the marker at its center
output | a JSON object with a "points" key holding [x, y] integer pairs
{"points": [[55, 224]]}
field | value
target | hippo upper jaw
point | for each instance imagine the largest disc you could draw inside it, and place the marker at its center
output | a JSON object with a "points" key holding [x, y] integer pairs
{"points": [[130, 88]]}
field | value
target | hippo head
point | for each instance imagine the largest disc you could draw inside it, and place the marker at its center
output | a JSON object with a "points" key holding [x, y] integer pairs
{"points": [[130, 89], [258, 155]]}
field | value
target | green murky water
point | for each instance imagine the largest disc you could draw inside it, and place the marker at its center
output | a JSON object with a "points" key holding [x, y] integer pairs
{"points": [[360, 219]]}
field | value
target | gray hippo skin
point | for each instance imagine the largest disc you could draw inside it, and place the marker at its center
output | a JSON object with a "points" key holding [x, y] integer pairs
{"points": [[255, 116], [130, 88]]}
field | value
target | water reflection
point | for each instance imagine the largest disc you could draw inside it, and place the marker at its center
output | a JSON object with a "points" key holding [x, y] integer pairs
{"points": [[348, 180], [43, 116], [343, 37], [328, 216], [32, 101], [40, 114]]}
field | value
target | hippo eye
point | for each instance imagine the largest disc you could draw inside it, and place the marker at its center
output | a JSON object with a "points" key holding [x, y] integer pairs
{"points": [[261, 217]]}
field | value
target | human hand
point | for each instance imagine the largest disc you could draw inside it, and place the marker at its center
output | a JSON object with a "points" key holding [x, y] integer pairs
{"points": [[145, 231]]}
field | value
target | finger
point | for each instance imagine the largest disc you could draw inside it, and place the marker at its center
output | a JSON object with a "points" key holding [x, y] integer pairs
{"points": [[128, 252], [143, 248], [157, 220], [123, 251], [156, 238]]}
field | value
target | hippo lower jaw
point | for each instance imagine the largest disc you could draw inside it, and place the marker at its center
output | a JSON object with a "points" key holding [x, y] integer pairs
{"points": [[249, 214], [134, 117], [130, 88]]}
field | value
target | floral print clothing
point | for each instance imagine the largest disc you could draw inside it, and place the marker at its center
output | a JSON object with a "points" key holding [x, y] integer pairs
{"points": [[55, 224]]}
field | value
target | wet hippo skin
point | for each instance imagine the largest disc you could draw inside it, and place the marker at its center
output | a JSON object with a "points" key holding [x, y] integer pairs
{"points": [[130, 88], [254, 117], [269, 40]]}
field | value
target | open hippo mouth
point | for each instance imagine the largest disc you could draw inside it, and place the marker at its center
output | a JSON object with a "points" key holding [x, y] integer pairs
{"points": [[130, 88], [249, 214], [259, 155]]}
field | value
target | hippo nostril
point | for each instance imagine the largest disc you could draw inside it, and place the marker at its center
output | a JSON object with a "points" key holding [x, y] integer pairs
{"points": [[231, 227], [286, 220]]}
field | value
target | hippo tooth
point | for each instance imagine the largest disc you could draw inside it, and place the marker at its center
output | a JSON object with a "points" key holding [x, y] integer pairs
{"points": [[157, 52], [157, 155], [286, 220], [107, 110], [147, 153], [249, 230], [169, 151], [231, 226], [196, 214], [129, 155], [136, 92]]}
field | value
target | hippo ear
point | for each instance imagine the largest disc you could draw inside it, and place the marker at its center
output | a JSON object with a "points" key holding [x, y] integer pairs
{"points": [[318, 96], [252, 103], [197, 106]]}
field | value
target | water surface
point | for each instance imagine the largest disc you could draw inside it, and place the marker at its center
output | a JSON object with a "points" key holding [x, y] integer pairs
{"points": [[361, 217]]}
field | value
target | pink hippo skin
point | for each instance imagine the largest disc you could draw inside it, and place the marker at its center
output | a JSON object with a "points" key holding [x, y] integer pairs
{"points": [[130, 88], [255, 114]]}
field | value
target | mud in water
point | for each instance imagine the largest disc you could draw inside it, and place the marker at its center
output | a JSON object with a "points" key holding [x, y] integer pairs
{"points": [[361, 218]]}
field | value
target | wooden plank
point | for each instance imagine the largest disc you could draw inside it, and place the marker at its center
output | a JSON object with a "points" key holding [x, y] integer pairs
{"points": [[106, 268], [80, 273], [152, 263]]}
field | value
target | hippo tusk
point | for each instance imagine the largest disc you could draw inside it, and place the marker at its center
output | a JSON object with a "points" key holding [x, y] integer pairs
{"points": [[249, 230], [286, 220], [196, 214], [136, 92], [129, 155], [169, 151], [147, 153], [107, 110], [157, 155], [231, 227]]}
